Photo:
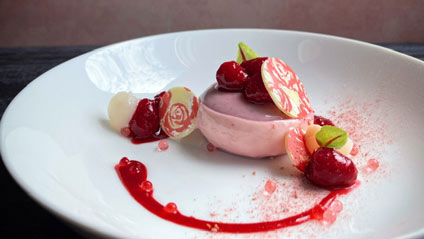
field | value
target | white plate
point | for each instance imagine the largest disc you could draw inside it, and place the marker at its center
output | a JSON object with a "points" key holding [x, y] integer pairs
{"points": [[56, 143]]}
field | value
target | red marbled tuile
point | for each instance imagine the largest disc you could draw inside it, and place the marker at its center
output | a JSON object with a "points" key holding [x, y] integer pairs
{"points": [[133, 174], [176, 117], [296, 148], [283, 84]]}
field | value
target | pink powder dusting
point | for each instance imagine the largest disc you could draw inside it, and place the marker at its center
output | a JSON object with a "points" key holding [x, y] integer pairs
{"points": [[367, 127], [291, 196], [292, 193], [270, 187]]}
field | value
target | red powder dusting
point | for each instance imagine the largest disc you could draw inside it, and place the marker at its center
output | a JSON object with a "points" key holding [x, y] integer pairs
{"points": [[291, 196], [293, 193], [367, 127]]}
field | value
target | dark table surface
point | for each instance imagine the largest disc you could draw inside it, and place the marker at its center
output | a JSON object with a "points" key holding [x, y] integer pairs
{"points": [[18, 67]]}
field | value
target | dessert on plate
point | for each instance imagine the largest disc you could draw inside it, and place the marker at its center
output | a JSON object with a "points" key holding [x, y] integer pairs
{"points": [[257, 108]]}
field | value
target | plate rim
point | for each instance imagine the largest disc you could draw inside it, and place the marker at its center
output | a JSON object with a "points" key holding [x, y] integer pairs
{"points": [[87, 225]]}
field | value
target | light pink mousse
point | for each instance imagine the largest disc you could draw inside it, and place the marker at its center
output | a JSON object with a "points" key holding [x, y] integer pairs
{"points": [[235, 125]]}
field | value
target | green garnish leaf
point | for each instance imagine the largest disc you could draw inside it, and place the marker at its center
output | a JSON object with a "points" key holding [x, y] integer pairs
{"points": [[331, 137], [245, 53]]}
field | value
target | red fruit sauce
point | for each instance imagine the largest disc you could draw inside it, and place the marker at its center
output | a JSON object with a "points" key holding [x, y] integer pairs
{"points": [[133, 175], [154, 137]]}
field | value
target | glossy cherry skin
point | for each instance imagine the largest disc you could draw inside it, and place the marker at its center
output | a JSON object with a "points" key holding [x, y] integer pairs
{"points": [[231, 76], [255, 90], [331, 169]]}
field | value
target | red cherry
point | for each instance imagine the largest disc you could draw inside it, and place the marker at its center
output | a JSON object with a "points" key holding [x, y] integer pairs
{"points": [[158, 97], [322, 121], [253, 66], [145, 121], [331, 169], [231, 76], [255, 91]]}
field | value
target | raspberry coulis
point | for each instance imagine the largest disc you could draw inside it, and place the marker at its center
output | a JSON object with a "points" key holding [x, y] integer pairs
{"points": [[154, 137], [133, 175]]}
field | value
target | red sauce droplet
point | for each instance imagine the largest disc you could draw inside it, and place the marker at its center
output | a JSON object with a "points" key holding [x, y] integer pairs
{"points": [[210, 147], [132, 182], [126, 132], [317, 212], [171, 208], [155, 137], [146, 186], [124, 161]]}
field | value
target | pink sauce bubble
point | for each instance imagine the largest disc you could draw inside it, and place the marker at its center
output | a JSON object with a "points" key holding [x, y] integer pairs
{"points": [[210, 147], [270, 187], [336, 206], [126, 132], [372, 165], [163, 145], [355, 150], [328, 217]]}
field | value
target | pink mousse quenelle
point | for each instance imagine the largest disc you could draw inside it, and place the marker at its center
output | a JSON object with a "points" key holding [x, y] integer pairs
{"points": [[235, 125]]}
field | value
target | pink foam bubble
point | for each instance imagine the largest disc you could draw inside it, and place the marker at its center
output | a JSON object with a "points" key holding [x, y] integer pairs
{"points": [[163, 145], [270, 187], [126, 132], [328, 217], [336, 206], [355, 150], [372, 165]]}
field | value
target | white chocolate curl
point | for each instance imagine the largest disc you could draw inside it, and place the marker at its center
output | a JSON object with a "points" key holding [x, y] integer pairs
{"points": [[121, 109]]}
